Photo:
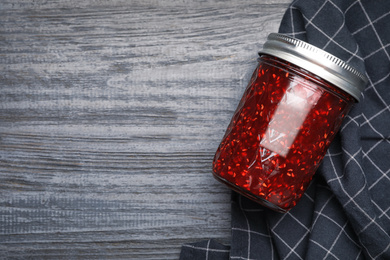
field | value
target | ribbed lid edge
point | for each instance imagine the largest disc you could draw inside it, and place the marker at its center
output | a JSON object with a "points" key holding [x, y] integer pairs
{"points": [[316, 61]]}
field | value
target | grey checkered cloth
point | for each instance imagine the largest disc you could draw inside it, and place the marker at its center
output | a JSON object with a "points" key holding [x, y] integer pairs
{"points": [[345, 213]]}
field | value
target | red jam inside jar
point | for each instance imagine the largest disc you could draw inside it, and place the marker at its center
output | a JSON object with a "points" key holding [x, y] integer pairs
{"points": [[280, 133]]}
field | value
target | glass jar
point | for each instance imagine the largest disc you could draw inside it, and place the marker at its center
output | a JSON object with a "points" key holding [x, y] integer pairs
{"points": [[289, 114]]}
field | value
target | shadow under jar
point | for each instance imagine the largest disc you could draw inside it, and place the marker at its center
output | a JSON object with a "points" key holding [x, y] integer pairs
{"points": [[289, 114]]}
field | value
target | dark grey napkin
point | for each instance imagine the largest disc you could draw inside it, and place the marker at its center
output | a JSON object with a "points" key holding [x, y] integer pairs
{"points": [[345, 213]]}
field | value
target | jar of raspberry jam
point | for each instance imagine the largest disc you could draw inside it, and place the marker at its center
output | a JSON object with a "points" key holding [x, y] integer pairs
{"points": [[288, 116]]}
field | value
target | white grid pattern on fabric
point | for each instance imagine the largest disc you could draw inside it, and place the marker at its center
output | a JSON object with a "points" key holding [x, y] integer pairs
{"points": [[292, 249], [207, 248], [331, 39], [241, 257], [342, 228], [335, 241], [351, 199], [374, 29], [325, 249], [297, 244], [383, 212], [339, 29], [248, 234]]}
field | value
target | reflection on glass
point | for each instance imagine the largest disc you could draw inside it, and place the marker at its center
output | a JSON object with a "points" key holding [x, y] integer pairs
{"points": [[288, 118]]}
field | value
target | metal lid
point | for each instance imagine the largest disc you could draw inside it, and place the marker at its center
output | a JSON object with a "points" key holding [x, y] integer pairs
{"points": [[316, 61]]}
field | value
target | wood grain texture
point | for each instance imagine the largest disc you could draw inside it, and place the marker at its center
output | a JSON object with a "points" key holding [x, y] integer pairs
{"points": [[110, 114]]}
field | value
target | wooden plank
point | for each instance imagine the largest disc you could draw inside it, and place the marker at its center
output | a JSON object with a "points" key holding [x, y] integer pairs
{"points": [[110, 114]]}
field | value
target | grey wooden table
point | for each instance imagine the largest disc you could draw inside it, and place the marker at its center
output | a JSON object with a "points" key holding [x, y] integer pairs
{"points": [[110, 114]]}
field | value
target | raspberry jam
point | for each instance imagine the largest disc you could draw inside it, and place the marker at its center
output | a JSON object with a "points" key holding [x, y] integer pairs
{"points": [[280, 132]]}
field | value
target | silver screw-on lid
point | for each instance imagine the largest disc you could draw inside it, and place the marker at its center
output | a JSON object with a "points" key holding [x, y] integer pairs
{"points": [[316, 61]]}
